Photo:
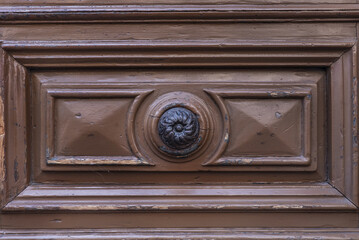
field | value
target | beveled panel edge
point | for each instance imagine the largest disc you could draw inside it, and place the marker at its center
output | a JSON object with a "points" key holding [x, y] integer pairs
{"points": [[343, 125], [14, 170], [204, 12], [204, 198], [182, 233]]}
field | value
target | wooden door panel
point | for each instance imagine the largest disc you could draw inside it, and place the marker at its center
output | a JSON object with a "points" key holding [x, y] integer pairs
{"points": [[113, 123], [178, 118]]}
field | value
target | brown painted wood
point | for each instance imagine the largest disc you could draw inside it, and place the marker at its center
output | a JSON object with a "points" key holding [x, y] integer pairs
{"points": [[180, 11], [184, 233], [164, 119]]}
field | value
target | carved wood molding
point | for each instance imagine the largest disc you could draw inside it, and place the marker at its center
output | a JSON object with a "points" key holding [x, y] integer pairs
{"points": [[68, 35], [315, 53], [203, 12], [182, 233], [279, 197], [340, 57]]}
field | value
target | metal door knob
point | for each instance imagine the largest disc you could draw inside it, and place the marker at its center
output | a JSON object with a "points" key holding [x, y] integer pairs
{"points": [[178, 128]]}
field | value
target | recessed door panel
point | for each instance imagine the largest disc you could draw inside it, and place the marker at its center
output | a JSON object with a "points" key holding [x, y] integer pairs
{"points": [[181, 120]]}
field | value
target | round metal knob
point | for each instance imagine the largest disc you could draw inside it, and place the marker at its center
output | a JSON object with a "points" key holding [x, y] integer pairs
{"points": [[178, 128]]}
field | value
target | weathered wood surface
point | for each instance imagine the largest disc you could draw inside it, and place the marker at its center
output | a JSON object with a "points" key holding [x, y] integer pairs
{"points": [[182, 233], [274, 86]]}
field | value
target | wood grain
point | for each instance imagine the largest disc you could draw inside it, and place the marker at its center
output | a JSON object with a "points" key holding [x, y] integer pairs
{"points": [[15, 168], [180, 12], [167, 32], [172, 46], [182, 233], [3, 190], [177, 53], [315, 197]]}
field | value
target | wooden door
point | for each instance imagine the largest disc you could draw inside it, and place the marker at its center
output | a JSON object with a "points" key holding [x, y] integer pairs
{"points": [[175, 120]]}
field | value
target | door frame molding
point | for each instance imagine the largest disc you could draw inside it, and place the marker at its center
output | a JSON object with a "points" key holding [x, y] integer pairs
{"points": [[178, 11]]}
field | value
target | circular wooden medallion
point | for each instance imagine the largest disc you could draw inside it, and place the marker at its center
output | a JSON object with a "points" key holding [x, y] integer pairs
{"points": [[177, 126]]}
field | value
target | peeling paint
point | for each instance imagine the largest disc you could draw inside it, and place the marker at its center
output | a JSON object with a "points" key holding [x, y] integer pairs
{"points": [[16, 173], [226, 137], [160, 207], [287, 206], [279, 93], [246, 160], [97, 161]]}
